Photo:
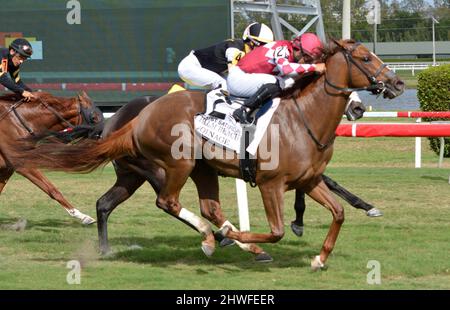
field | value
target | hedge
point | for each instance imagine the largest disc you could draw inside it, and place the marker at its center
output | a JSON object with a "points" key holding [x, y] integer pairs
{"points": [[433, 92]]}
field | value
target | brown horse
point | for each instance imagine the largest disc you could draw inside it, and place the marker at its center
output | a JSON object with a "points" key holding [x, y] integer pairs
{"points": [[308, 118], [132, 172], [20, 119]]}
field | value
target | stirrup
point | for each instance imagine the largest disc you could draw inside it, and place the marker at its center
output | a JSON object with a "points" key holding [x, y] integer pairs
{"points": [[241, 116]]}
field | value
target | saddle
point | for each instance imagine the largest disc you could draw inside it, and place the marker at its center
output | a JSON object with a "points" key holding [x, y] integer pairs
{"points": [[218, 126]]}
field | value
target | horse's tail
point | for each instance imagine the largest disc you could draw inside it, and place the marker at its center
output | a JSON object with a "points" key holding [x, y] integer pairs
{"points": [[84, 156]]}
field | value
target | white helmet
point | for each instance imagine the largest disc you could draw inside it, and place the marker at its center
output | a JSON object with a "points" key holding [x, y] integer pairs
{"points": [[258, 33]]}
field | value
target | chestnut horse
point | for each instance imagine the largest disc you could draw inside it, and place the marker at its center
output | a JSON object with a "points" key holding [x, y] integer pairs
{"points": [[20, 119], [307, 119], [132, 172]]}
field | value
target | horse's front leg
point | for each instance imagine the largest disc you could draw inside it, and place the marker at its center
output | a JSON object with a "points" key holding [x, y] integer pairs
{"points": [[38, 179], [322, 195], [272, 194]]}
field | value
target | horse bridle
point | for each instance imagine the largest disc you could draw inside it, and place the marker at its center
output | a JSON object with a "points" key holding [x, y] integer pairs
{"points": [[376, 86], [86, 114]]}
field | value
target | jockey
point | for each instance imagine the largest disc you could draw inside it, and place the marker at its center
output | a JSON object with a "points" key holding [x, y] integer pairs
{"points": [[19, 51], [206, 67], [268, 69]]}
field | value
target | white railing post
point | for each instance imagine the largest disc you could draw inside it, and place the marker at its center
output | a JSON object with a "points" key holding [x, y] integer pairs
{"points": [[241, 193], [441, 151], [418, 148]]}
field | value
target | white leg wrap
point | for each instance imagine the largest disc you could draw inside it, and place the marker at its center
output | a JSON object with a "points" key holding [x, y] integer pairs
{"points": [[243, 246], [85, 219], [316, 263], [202, 226]]}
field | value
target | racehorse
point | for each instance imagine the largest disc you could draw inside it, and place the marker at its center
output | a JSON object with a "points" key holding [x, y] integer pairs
{"points": [[132, 172], [308, 117], [20, 119]]}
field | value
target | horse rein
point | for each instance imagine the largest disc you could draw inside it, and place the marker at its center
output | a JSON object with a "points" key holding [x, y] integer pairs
{"points": [[376, 86], [62, 119], [320, 145], [14, 107]]}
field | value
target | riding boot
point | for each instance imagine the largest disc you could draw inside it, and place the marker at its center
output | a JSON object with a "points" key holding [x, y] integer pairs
{"points": [[265, 92]]}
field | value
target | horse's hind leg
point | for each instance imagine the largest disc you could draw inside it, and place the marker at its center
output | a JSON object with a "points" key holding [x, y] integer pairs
{"points": [[207, 183], [38, 179], [351, 198], [168, 200], [126, 184], [322, 195]]}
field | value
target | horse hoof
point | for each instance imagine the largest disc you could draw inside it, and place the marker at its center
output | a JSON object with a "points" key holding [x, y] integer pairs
{"points": [[263, 257], [316, 264], [226, 242], [297, 229], [207, 249], [374, 212], [87, 220]]}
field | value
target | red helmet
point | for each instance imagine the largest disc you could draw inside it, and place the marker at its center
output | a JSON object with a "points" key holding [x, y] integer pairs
{"points": [[308, 43]]}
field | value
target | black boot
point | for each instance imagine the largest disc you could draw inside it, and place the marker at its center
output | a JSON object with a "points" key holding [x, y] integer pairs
{"points": [[265, 92]]}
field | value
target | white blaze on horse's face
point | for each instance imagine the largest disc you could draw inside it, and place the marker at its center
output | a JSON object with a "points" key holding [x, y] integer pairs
{"points": [[379, 59]]}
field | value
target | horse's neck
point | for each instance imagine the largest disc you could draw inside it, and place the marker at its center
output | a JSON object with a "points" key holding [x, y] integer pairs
{"points": [[43, 118], [322, 110]]}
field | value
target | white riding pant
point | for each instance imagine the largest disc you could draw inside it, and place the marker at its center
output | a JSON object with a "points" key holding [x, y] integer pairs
{"points": [[245, 84], [191, 71]]}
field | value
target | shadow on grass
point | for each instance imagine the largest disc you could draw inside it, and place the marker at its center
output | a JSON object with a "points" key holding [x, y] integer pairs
{"points": [[433, 178], [166, 251], [47, 223]]}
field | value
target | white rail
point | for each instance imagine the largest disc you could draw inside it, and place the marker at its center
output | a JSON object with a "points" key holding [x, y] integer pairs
{"points": [[411, 66]]}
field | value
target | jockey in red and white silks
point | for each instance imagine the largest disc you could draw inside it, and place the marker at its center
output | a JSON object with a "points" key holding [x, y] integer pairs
{"points": [[271, 63], [207, 67]]}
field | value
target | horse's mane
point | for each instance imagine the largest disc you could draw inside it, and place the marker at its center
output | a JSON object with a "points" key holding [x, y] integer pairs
{"points": [[327, 51], [299, 86], [11, 97], [41, 96]]}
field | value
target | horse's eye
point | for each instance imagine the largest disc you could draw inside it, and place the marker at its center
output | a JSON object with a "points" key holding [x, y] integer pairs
{"points": [[366, 59]]}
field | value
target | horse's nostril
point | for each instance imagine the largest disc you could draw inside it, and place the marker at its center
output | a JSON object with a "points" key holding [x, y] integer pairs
{"points": [[399, 85]]}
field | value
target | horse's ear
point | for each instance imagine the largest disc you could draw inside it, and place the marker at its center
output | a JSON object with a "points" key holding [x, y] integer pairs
{"points": [[333, 44], [83, 94], [337, 42]]}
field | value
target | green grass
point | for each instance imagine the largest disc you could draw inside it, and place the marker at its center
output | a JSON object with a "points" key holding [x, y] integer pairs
{"points": [[411, 240]]}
